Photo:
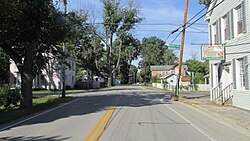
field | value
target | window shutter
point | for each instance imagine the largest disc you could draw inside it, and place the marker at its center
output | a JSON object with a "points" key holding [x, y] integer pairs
{"points": [[219, 30], [246, 73], [229, 26], [232, 24], [243, 17], [234, 74], [211, 37], [211, 75]]}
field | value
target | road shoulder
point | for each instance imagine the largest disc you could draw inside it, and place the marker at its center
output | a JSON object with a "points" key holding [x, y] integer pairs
{"points": [[230, 116]]}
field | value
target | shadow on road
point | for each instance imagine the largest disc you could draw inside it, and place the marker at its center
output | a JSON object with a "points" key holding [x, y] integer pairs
{"points": [[36, 138], [131, 96]]}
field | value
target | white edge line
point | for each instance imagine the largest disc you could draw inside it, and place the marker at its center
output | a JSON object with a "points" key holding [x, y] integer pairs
{"points": [[190, 123], [45, 112]]}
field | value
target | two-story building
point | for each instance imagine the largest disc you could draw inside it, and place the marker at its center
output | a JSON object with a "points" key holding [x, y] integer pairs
{"points": [[229, 26], [50, 77]]}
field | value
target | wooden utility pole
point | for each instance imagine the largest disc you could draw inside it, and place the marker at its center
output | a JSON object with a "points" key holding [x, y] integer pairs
{"points": [[63, 63], [182, 47]]}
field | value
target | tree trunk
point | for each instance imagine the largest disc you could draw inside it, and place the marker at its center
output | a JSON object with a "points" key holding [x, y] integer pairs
{"points": [[26, 89], [108, 57], [119, 57], [27, 75], [110, 76]]}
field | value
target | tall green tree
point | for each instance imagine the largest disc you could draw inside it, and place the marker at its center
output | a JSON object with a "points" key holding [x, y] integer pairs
{"points": [[199, 68], [112, 16], [169, 57], [205, 2], [83, 43], [129, 51], [30, 28], [117, 20], [133, 74], [130, 18], [154, 52]]}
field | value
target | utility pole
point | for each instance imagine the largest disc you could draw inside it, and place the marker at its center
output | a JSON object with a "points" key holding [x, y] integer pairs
{"points": [[63, 63], [182, 47]]}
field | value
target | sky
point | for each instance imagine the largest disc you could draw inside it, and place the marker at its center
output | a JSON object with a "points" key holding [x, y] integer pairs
{"points": [[160, 18]]}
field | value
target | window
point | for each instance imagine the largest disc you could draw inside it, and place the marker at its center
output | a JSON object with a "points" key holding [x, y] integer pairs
{"points": [[239, 20], [225, 27], [70, 65], [73, 79], [242, 72]]}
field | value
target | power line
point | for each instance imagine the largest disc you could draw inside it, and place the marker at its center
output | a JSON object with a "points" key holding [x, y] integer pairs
{"points": [[176, 30], [199, 30], [173, 24], [197, 20], [170, 31]]}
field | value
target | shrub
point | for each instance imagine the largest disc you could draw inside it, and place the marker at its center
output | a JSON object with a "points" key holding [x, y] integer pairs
{"points": [[38, 89], [9, 96], [158, 81], [68, 87], [154, 79]]}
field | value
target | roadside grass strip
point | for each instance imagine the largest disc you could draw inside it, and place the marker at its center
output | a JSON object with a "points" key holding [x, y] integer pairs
{"points": [[96, 132]]}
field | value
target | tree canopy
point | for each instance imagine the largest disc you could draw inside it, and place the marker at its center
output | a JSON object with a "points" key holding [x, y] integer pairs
{"points": [[154, 52], [118, 20], [199, 68], [30, 28]]}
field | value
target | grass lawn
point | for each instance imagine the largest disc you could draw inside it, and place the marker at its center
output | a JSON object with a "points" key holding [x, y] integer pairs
{"points": [[75, 91], [39, 104]]}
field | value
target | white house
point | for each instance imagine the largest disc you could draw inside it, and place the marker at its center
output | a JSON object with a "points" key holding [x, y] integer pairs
{"points": [[229, 26], [50, 77]]}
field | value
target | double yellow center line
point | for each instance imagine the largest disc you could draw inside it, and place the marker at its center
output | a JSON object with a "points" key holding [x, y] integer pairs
{"points": [[96, 132]]}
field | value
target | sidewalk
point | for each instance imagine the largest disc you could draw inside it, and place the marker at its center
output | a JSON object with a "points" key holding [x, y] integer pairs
{"points": [[232, 116]]}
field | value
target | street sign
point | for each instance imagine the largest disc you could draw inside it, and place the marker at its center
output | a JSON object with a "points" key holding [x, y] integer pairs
{"points": [[174, 46], [213, 53]]}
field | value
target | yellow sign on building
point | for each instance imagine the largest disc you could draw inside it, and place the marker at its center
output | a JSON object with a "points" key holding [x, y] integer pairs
{"points": [[213, 53]]}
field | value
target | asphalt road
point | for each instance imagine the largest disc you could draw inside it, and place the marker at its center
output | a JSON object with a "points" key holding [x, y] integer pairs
{"points": [[124, 113]]}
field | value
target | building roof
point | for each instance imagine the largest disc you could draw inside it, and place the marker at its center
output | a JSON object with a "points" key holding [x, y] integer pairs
{"points": [[166, 68], [161, 68], [167, 76]]}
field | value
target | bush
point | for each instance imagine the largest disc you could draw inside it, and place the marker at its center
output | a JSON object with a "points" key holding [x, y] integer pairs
{"points": [[9, 96], [154, 79], [68, 87], [38, 89], [193, 87]]}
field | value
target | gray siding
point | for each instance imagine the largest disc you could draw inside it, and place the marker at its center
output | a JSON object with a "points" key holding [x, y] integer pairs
{"points": [[241, 99], [236, 47], [233, 50]]}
